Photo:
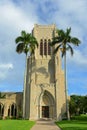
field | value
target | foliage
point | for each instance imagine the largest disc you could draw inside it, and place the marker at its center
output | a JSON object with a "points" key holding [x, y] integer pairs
{"points": [[16, 124], [26, 43], [77, 105], [63, 40]]}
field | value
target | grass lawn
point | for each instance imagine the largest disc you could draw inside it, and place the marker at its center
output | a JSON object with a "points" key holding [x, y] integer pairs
{"points": [[72, 125], [16, 124], [78, 123]]}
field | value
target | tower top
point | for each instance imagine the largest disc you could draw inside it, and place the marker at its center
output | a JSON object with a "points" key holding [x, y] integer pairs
{"points": [[44, 35], [44, 26]]}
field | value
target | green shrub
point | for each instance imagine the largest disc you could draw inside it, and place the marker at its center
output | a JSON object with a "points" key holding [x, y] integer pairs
{"points": [[81, 117]]}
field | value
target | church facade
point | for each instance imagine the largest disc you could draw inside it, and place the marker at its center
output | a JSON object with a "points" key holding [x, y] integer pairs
{"points": [[44, 91]]}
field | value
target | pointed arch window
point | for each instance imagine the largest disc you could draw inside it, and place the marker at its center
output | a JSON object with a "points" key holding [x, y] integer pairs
{"points": [[41, 47], [49, 47], [45, 47]]}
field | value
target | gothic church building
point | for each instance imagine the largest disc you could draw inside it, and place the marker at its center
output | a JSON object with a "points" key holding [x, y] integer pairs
{"points": [[44, 91]]}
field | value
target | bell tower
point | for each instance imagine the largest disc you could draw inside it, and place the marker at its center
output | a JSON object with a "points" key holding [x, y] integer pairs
{"points": [[45, 92]]}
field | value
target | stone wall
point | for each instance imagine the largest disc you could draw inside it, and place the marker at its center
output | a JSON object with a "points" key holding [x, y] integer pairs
{"points": [[11, 104]]}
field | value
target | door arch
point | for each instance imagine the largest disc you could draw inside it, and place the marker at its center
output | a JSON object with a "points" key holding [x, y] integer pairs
{"points": [[46, 106]]}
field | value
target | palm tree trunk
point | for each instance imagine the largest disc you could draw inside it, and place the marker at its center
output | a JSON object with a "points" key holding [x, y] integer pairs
{"points": [[66, 91], [24, 90]]}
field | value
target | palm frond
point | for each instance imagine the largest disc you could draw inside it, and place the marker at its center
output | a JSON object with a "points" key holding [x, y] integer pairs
{"points": [[19, 39], [70, 48], [75, 41], [56, 49], [33, 41], [61, 33], [68, 31], [20, 48], [23, 34], [56, 40]]}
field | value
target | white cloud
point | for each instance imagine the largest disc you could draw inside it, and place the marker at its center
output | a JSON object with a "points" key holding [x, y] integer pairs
{"points": [[71, 13], [6, 66], [15, 18], [5, 70], [22, 15], [78, 58]]}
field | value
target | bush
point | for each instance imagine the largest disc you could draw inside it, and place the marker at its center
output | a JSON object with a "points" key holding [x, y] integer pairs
{"points": [[81, 117]]}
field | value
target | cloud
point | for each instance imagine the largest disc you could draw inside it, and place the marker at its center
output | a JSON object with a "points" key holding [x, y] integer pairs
{"points": [[6, 66], [5, 70], [22, 15], [15, 18], [79, 58], [70, 13]]}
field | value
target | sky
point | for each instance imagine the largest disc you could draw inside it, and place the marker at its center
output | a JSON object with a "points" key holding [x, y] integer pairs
{"points": [[18, 15]]}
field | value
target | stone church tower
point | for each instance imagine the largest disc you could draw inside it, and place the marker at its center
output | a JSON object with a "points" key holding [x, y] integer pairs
{"points": [[44, 93]]}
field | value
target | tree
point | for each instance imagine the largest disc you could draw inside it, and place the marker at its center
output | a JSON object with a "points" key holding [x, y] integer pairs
{"points": [[26, 43], [77, 105], [63, 41], [72, 106]]}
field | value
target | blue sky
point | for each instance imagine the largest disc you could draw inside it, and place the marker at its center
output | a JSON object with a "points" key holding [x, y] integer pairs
{"points": [[17, 15]]}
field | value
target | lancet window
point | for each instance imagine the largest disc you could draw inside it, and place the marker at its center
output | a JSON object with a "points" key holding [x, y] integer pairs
{"points": [[49, 47], [41, 47], [45, 48]]}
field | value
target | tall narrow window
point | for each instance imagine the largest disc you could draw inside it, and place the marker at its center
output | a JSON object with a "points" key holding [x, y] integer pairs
{"points": [[41, 47], [45, 47], [49, 47]]}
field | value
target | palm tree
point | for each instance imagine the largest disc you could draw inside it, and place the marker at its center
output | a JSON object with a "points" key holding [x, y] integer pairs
{"points": [[26, 43], [63, 42]]}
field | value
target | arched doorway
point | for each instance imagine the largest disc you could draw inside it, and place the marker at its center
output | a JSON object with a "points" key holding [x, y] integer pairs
{"points": [[45, 111], [46, 105]]}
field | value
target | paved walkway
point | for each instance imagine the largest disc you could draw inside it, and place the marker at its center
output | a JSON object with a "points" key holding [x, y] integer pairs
{"points": [[45, 125]]}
